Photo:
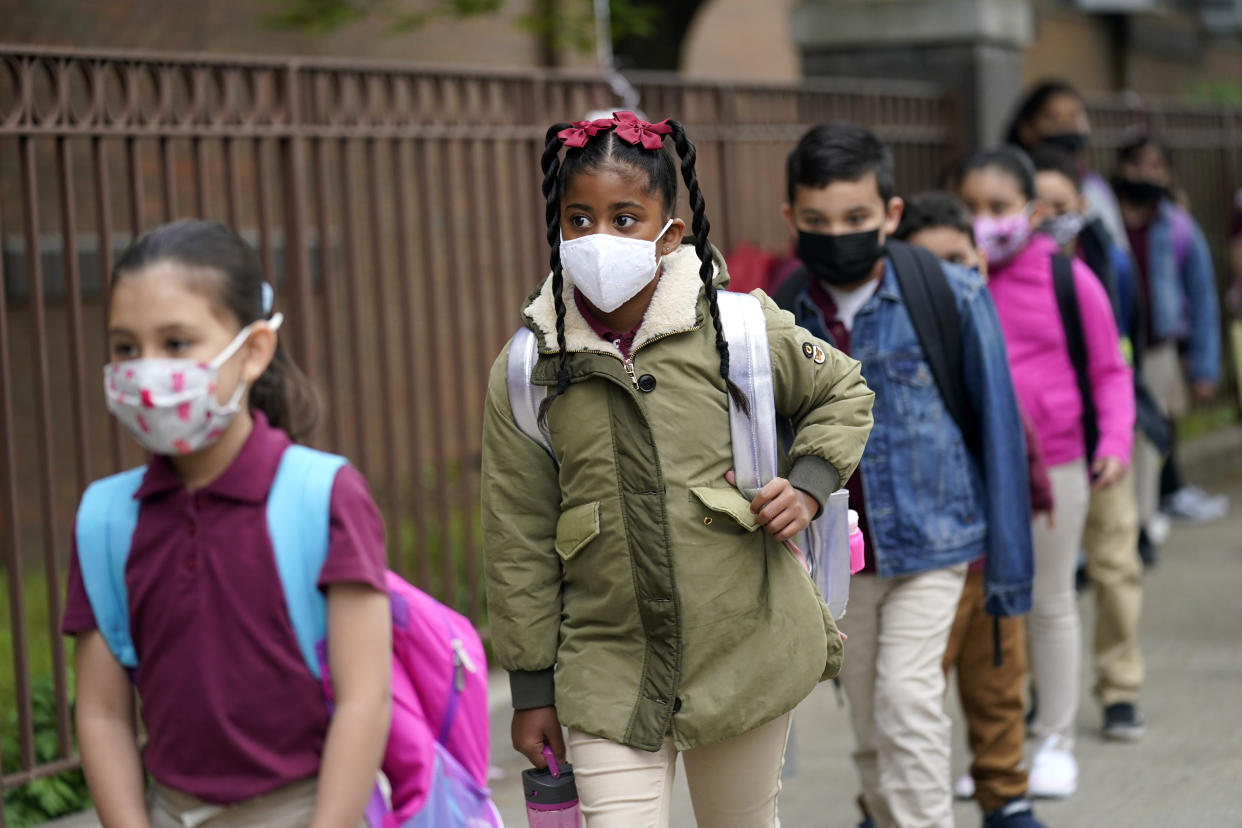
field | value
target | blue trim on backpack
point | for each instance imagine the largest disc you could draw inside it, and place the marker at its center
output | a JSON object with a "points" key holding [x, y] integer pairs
{"points": [[104, 529], [298, 515]]}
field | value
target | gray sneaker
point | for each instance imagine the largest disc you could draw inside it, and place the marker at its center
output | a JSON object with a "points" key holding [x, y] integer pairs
{"points": [[1123, 722]]}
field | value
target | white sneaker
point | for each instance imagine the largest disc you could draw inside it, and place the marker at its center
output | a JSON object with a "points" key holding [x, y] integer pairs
{"points": [[964, 787], [1054, 771], [1193, 504], [1158, 528]]}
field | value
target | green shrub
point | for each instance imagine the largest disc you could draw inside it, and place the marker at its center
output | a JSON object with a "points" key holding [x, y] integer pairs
{"points": [[43, 799]]}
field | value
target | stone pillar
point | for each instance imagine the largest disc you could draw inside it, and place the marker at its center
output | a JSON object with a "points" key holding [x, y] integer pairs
{"points": [[973, 48]]}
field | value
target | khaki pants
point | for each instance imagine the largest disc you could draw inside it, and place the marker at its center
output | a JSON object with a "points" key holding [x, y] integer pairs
{"points": [[1162, 374], [1116, 575], [897, 631], [733, 784], [993, 698], [1054, 625], [289, 807]]}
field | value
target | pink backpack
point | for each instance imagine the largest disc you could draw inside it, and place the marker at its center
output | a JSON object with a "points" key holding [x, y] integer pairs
{"points": [[437, 755]]}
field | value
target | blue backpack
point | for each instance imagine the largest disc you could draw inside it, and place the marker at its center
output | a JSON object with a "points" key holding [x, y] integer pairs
{"points": [[436, 757]]}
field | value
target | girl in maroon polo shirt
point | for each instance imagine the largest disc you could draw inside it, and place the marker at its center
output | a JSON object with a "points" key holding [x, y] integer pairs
{"points": [[238, 732]]}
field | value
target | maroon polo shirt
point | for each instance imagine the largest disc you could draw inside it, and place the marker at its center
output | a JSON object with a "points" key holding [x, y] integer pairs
{"points": [[623, 341], [841, 339], [230, 708]]}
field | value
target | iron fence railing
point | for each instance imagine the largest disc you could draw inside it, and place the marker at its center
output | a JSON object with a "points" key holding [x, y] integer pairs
{"points": [[396, 208]]}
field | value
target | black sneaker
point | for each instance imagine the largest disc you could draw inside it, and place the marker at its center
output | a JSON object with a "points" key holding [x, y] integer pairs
{"points": [[1123, 722]]}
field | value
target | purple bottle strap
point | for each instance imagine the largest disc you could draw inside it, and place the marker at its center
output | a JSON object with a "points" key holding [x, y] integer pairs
{"points": [[553, 768]]}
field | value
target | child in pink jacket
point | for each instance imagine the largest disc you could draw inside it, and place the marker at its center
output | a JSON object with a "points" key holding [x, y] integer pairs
{"points": [[999, 188]]}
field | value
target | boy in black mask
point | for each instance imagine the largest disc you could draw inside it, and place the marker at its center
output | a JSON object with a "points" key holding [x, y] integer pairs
{"points": [[1177, 287], [943, 481]]}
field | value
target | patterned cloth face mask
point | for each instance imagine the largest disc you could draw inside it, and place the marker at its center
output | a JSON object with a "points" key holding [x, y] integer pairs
{"points": [[170, 405], [1002, 238], [1065, 227]]}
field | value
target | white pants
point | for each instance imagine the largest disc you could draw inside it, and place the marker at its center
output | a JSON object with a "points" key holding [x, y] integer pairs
{"points": [[1054, 628], [733, 784], [897, 631]]}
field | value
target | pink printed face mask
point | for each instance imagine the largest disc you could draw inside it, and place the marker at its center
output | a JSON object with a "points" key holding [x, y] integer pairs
{"points": [[1002, 238], [170, 405]]}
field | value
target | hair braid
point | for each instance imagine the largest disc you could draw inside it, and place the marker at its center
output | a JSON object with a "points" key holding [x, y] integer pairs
{"points": [[551, 165], [700, 226]]}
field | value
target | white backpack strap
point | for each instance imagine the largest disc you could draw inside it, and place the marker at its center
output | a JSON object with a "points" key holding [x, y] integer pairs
{"points": [[525, 397], [755, 438]]}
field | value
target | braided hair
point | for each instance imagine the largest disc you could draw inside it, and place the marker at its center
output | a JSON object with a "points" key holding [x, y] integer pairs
{"points": [[606, 149]]}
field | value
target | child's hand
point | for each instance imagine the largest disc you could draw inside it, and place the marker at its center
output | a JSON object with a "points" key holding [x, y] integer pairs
{"points": [[782, 510], [532, 729], [1106, 471]]}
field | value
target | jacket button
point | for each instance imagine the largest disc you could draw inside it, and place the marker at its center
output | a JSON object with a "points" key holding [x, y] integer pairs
{"points": [[677, 705], [646, 383]]}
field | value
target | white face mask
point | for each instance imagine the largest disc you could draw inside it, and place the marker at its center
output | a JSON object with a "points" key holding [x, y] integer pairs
{"points": [[170, 405], [610, 270]]}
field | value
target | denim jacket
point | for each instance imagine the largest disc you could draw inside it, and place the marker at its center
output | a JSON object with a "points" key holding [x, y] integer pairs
{"points": [[930, 502], [1183, 289]]}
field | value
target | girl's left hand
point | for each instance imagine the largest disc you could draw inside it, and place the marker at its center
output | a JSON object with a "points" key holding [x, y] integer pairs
{"points": [[1107, 471], [782, 510]]}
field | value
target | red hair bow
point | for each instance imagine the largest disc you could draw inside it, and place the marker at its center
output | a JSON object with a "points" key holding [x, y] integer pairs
{"points": [[579, 132], [637, 131]]}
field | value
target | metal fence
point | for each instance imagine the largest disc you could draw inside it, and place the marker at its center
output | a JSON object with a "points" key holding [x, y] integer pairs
{"points": [[397, 210]]}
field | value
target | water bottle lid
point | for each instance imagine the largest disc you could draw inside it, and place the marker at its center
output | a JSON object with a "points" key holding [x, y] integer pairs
{"points": [[540, 787]]}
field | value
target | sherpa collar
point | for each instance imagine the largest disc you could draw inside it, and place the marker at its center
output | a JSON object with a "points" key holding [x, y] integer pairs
{"points": [[674, 308]]}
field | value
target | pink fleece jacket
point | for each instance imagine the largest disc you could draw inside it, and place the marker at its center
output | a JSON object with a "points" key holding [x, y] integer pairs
{"points": [[1039, 361]]}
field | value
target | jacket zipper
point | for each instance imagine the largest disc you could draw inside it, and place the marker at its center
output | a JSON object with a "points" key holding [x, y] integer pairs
{"points": [[628, 362]]}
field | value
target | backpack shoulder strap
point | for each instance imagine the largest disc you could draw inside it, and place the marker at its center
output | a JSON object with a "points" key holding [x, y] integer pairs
{"points": [[1071, 321], [937, 324], [754, 436], [103, 531], [298, 515], [525, 397]]}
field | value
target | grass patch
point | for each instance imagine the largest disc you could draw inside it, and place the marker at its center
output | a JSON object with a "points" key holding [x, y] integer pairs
{"points": [[38, 651], [1207, 418]]}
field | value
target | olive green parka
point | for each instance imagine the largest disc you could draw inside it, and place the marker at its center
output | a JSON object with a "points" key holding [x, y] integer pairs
{"points": [[630, 584]]}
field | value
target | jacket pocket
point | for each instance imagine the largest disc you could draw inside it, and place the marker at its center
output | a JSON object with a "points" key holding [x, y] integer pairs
{"points": [[911, 386], [729, 502], [575, 528]]}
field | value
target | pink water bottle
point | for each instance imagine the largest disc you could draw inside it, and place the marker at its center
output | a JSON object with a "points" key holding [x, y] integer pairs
{"points": [[551, 796]]}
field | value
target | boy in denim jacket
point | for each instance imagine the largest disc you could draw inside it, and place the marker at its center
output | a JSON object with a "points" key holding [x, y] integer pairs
{"points": [[928, 503]]}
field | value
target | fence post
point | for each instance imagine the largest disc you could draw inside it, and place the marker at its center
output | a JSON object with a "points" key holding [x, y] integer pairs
{"points": [[293, 171]]}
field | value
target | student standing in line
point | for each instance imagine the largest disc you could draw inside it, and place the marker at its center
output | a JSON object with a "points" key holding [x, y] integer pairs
{"points": [[999, 188], [1053, 114], [1177, 287], [989, 653], [1113, 566], [943, 481], [636, 596], [238, 732]]}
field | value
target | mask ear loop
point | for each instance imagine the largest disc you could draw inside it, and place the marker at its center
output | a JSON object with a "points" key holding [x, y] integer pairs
{"points": [[224, 356]]}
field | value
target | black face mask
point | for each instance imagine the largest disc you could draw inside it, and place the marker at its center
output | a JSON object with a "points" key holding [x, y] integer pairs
{"points": [[1139, 191], [841, 260], [1071, 142]]}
